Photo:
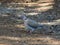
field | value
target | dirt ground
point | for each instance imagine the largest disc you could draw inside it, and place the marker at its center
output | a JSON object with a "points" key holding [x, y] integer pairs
{"points": [[13, 32]]}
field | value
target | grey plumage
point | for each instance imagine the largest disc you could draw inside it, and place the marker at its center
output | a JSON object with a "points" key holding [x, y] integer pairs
{"points": [[30, 25]]}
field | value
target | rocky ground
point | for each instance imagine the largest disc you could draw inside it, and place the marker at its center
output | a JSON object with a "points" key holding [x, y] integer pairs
{"points": [[12, 32]]}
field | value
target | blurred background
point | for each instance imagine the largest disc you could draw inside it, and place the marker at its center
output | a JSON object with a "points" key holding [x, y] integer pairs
{"points": [[12, 31]]}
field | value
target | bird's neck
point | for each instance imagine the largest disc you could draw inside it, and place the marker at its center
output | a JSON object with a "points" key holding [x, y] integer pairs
{"points": [[25, 18]]}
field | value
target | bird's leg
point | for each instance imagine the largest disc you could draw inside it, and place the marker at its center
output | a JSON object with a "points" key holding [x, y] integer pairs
{"points": [[30, 31]]}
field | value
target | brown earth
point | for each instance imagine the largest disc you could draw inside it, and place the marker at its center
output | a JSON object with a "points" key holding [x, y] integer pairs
{"points": [[13, 32]]}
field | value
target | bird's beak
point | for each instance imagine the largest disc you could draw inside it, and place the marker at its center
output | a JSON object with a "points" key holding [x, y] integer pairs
{"points": [[19, 17]]}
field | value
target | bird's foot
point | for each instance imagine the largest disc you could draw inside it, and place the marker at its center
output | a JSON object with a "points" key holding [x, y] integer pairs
{"points": [[30, 32]]}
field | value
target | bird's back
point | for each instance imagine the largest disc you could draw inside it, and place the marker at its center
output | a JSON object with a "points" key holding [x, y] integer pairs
{"points": [[32, 23]]}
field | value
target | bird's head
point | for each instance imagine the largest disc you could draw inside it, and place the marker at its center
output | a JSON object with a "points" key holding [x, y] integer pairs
{"points": [[22, 17]]}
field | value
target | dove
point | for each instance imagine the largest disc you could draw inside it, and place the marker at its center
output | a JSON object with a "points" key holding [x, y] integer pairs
{"points": [[30, 24]]}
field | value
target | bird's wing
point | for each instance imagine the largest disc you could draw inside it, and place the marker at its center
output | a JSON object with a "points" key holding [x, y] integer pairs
{"points": [[29, 28], [32, 23]]}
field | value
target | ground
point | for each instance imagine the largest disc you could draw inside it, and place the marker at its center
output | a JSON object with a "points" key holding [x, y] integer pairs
{"points": [[13, 32]]}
